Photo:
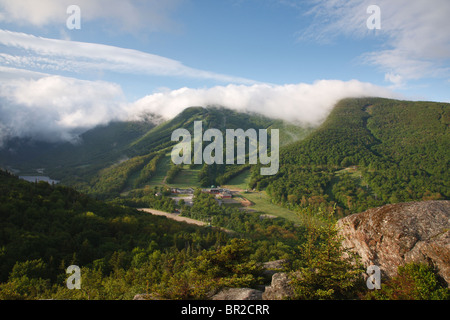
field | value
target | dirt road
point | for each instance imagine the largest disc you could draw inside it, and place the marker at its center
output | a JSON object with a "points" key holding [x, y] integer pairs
{"points": [[182, 219], [173, 216]]}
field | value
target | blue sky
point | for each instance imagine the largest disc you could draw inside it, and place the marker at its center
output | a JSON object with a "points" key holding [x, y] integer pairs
{"points": [[148, 56]]}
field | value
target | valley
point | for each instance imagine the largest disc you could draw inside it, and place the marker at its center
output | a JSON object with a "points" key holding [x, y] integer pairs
{"points": [[345, 163], [117, 213]]}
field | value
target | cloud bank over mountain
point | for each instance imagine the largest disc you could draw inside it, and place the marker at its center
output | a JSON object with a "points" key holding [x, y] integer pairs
{"points": [[55, 108], [307, 104]]}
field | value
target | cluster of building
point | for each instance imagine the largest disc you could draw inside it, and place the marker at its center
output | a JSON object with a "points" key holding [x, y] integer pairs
{"points": [[182, 191], [219, 193]]}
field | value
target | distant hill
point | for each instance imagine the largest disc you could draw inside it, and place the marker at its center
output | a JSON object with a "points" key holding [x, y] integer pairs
{"points": [[96, 147], [369, 152], [122, 156]]}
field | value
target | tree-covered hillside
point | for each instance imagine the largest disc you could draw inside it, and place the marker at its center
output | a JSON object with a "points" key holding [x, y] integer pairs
{"points": [[61, 227], [369, 152], [121, 251], [119, 157]]}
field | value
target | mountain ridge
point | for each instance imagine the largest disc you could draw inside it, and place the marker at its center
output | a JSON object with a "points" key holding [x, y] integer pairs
{"points": [[108, 147], [369, 152], [364, 146]]}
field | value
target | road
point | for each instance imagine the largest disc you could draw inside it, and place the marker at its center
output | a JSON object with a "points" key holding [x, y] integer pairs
{"points": [[174, 216], [177, 217]]}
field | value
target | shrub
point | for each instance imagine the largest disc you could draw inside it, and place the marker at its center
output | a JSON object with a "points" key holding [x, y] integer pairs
{"points": [[414, 281]]}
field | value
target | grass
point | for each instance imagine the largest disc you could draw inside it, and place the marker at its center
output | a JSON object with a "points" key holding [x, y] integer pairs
{"points": [[261, 201], [263, 204], [240, 181], [187, 178], [354, 173], [161, 171]]}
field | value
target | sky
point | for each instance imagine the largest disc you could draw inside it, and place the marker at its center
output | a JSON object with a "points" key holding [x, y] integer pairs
{"points": [[63, 71]]}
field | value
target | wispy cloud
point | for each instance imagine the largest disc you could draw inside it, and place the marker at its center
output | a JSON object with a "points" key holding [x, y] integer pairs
{"points": [[417, 44], [62, 55], [128, 16]]}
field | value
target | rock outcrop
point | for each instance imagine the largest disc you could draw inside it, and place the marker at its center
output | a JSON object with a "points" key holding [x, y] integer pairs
{"points": [[272, 267], [280, 289], [396, 234], [238, 294], [145, 296]]}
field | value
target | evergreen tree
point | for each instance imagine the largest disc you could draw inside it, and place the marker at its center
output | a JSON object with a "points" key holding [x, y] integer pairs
{"points": [[324, 269]]}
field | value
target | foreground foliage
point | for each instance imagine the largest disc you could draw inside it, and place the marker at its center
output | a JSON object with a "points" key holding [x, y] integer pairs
{"points": [[123, 252], [414, 281], [324, 269]]}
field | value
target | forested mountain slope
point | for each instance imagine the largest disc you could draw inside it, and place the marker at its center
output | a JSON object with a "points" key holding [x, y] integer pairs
{"points": [[123, 156], [369, 152], [60, 227]]}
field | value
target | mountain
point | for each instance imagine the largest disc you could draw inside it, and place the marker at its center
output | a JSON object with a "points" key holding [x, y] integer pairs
{"points": [[122, 156], [95, 148], [369, 152]]}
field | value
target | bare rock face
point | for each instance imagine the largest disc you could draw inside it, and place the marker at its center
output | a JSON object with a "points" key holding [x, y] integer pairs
{"points": [[238, 294], [272, 267], [280, 288], [396, 234], [145, 296]]}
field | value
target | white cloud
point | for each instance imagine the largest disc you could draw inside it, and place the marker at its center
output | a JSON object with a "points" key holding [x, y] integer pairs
{"points": [[395, 79], [62, 55], [129, 16], [302, 103], [55, 108], [417, 41]]}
